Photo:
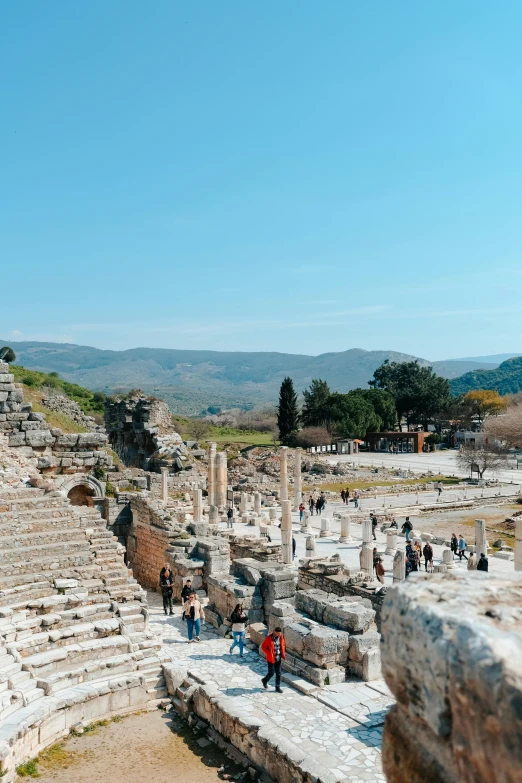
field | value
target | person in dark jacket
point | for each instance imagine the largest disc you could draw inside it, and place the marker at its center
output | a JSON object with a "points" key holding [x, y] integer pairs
{"points": [[238, 620], [166, 585], [428, 556], [454, 544], [230, 517], [274, 650], [407, 528], [374, 525], [186, 591], [483, 564], [294, 545]]}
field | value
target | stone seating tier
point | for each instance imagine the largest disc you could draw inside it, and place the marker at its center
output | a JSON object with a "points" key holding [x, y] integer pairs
{"points": [[74, 638]]}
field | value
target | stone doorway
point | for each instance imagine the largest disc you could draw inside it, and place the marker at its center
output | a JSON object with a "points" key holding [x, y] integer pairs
{"points": [[81, 495]]}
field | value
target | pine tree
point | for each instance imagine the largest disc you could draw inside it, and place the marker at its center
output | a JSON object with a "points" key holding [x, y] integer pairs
{"points": [[287, 412]]}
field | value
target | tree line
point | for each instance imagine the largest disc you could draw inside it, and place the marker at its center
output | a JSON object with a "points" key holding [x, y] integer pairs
{"points": [[400, 394]]}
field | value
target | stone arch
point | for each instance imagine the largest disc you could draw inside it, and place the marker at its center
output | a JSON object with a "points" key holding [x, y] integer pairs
{"points": [[83, 489]]}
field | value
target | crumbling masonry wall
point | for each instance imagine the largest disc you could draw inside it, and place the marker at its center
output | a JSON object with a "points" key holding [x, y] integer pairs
{"points": [[452, 656]]}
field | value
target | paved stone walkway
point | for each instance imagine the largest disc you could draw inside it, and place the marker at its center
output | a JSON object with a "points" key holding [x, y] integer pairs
{"points": [[339, 726]]}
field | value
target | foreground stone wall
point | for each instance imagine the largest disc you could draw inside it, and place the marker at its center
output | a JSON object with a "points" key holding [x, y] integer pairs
{"points": [[452, 656]]}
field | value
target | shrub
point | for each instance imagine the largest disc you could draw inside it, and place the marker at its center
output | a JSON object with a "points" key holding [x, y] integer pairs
{"points": [[313, 436]]}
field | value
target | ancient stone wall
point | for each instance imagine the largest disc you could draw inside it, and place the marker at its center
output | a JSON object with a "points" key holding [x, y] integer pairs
{"points": [[148, 540], [451, 652]]}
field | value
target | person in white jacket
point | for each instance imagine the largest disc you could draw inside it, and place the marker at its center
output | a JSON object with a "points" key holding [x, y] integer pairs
{"points": [[193, 614]]}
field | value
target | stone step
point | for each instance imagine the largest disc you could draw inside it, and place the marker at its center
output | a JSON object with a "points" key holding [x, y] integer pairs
{"points": [[71, 656], [12, 556], [35, 540], [93, 670], [159, 692], [47, 564]]}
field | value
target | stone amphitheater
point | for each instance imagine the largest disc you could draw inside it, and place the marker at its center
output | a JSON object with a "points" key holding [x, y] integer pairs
{"points": [[80, 641]]}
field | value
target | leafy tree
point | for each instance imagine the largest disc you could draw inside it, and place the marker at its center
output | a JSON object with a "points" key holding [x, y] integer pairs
{"points": [[287, 413], [350, 415], [418, 392], [383, 405], [315, 403], [485, 402], [313, 436], [7, 354]]}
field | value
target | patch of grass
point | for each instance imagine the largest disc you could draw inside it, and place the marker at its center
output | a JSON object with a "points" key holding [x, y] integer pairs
{"points": [[370, 484], [243, 437], [97, 724], [90, 402], [56, 756], [117, 719], [28, 770], [53, 418]]}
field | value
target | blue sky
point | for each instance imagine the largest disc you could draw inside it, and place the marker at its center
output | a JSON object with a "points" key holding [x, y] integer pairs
{"points": [[299, 176]]}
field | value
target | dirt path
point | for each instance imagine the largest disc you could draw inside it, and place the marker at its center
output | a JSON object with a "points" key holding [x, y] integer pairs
{"points": [[152, 747]]}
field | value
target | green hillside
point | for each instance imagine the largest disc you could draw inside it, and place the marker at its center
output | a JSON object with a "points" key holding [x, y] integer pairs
{"points": [[90, 402], [506, 379]]}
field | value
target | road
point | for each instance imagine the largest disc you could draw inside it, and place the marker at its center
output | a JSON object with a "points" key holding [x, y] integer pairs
{"points": [[443, 462]]}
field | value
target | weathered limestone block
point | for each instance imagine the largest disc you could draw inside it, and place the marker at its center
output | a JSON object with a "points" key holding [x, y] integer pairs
{"points": [[349, 616], [258, 632], [451, 656], [360, 645], [39, 438]]}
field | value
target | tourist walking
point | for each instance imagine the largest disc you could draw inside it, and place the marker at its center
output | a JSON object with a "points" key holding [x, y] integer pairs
{"points": [[166, 585], [301, 511], [274, 650], [407, 528], [294, 546], [438, 487], [346, 495], [311, 505], [238, 619], [318, 506], [374, 525], [454, 544], [186, 591], [343, 496], [428, 556], [462, 548], [412, 558], [193, 614], [356, 499], [230, 517], [483, 564], [380, 570]]}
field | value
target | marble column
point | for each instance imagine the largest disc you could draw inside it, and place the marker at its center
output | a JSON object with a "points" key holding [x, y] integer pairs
{"points": [[297, 479], [257, 502], [283, 473], [325, 528], [164, 484], [272, 514], [518, 544], [310, 546], [345, 529], [447, 558], [367, 531], [221, 479], [213, 516], [243, 503], [399, 566], [391, 542], [305, 524], [481, 544], [197, 504], [367, 560], [286, 531], [211, 484]]}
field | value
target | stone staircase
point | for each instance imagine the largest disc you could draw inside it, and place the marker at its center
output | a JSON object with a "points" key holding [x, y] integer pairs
{"points": [[73, 624]]}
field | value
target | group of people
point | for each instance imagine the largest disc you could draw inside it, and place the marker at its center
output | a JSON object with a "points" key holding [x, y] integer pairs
{"points": [[317, 504], [345, 497], [192, 608]]}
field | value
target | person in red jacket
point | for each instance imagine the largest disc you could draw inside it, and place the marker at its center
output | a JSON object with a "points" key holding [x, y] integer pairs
{"points": [[274, 650]]}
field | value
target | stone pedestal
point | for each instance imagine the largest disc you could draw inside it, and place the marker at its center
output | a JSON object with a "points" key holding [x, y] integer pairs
{"points": [[213, 516], [297, 479], [345, 529], [391, 543], [367, 531], [325, 528], [305, 523], [447, 559], [286, 531], [243, 503], [440, 568], [211, 484], [481, 543], [272, 514], [518, 545], [257, 502], [283, 473], [310, 546], [221, 479], [367, 561], [164, 484], [197, 505], [399, 566]]}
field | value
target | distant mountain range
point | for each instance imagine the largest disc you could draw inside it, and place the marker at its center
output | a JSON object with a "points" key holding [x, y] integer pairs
{"points": [[191, 381], [506, 379]]}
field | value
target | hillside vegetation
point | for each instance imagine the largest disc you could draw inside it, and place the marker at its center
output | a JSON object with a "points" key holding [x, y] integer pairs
{"points": [[506, 379], [191, 381], [90, 402]]}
